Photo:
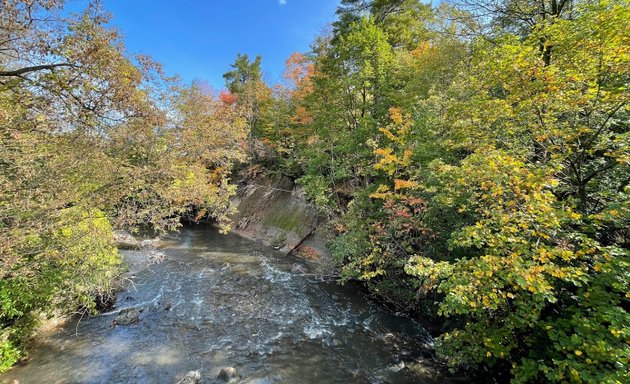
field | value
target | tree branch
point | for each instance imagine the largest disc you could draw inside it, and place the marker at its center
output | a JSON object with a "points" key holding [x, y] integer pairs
{"points": [[21, 71]]}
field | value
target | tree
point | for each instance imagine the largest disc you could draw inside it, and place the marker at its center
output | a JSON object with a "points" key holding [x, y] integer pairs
{"points": [[500, 187], [404, 21], [243, 74], [350, 99], [536, 237], [88, 143], [253, 96], [519, 17]]}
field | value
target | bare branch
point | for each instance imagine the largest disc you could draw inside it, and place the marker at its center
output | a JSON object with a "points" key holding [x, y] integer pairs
{"points": [[22, 71]]}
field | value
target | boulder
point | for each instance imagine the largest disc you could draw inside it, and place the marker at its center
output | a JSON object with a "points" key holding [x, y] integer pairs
{"points": [[128, 316], [124, 240], [228, 374], [150, 243], [192, 377]]}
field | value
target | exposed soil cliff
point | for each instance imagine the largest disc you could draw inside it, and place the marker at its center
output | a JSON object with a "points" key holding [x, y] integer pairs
{"points": [[276, 213]]}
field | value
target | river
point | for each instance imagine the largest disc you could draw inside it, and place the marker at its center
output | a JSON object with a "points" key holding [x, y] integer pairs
{"points": [[219, 301]]}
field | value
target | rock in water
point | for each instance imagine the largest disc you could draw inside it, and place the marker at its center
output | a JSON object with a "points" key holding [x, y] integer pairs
{"points": [[192, 377], [124, 240], [128, 316], [259, 381], [228, 374], [298, 269]]}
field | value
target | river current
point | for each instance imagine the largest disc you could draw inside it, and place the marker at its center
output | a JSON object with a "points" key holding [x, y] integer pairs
{"points": [[216, 301]]}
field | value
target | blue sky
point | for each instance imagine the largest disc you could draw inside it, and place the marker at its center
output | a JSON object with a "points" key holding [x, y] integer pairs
{"points": [[199, 39]]}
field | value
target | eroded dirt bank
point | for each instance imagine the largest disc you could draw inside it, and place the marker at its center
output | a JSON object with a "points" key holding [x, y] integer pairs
{"points": [[275, 212]]}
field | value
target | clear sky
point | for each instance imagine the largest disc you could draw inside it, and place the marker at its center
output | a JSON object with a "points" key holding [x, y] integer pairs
{"points": [[199, 39]]}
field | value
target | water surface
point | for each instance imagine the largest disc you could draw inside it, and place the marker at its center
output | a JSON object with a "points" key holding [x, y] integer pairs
{"points": [[219, 301]]}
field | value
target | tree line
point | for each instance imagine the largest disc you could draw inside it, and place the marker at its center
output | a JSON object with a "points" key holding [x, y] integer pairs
{"points": [[92, 139], [473, 161]]}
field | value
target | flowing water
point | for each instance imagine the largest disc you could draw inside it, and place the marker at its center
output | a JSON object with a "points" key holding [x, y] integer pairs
{"points": [[219, 301]]}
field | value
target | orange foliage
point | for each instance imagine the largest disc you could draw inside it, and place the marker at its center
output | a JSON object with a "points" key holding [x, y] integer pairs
{"points": [[309, 253], [298, 73], [227, 97], [301, 116], [404, 184], [298, 70]]}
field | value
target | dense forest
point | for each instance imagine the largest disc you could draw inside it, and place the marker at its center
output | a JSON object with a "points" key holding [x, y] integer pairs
{"points": [[472, 159]]}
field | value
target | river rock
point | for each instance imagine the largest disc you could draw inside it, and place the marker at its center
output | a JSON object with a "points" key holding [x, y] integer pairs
{"points": [[420, 368], [128, 316], [192, 377], [298, 269], [124, 240], [264, 380], [228, 374]]}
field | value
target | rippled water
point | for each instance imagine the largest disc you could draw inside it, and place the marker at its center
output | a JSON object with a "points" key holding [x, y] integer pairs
{"points": [[233, 303]]}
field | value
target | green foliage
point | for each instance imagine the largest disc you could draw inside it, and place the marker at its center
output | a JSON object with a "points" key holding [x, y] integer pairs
{"points": [[53, 271], [487, 174], [243, 73], [534, 291], [404, 21], [252, 97], [347, 104], [8, 354]]}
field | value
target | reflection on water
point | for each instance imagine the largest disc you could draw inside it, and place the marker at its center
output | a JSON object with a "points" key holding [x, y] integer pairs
{"points": [[222, 301]]}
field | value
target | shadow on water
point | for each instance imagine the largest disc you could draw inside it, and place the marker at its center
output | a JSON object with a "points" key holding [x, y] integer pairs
{"points": [[217, 301]]}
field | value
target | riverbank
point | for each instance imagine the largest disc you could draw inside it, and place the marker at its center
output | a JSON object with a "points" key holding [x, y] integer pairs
{"points": [[274, 211]]}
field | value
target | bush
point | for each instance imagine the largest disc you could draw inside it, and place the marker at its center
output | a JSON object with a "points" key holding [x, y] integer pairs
{"points": [[59, 271]]}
